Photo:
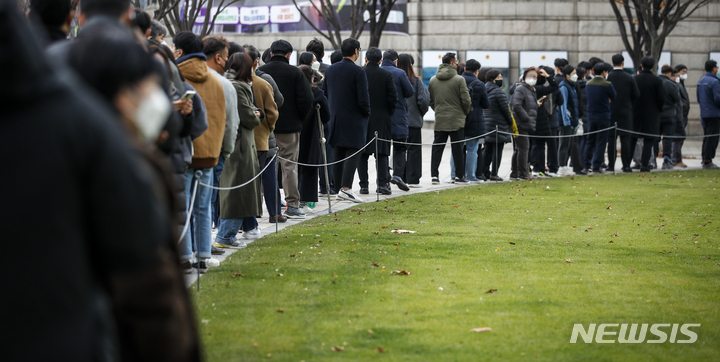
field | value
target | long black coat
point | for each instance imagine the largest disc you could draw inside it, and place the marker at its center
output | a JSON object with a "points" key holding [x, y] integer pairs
{"points": [[647, 108], [627, 93], [346, 87], [310, 151], [295, 90], [383, 102]]}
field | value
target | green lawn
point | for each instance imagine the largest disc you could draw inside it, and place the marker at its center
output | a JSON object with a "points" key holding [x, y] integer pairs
{"points": [[631, 248]]}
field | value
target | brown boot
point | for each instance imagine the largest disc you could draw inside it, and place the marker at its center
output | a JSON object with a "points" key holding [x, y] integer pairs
{"points": [[279, 218], [681, 164]]}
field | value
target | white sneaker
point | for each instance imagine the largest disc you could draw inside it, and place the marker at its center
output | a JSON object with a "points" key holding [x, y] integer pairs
{"points": [[414, 186], [212, 263], [350, 196], [252, 234]]}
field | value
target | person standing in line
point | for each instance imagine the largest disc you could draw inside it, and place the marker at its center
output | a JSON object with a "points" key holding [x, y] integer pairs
{"points": [[346, 87], [383, 103], [646, 110], [317, 47], [546, 122], [600, 93], [417, 106], [569, 113], [450, 99], [621, 113], [310, 146], [497, 115], [708, 95], [400, 128], [668, 115], [474, 122], [682, 119], [525, 105], [584, 70], [297, 107]]}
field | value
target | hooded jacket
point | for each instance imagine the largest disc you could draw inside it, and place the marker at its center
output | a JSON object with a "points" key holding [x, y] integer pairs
{"points": [[474, 122], [498, 113], [449, 98], [206, 147], [524, 105], [708, 95]]}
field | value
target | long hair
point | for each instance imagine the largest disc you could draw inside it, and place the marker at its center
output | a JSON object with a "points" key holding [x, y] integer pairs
{"points": [[242, 64], [405, 62]]}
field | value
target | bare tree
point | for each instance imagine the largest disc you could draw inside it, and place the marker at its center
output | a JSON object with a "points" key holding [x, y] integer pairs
{"points": [[650, 22], [181, 15], [378, 13]]}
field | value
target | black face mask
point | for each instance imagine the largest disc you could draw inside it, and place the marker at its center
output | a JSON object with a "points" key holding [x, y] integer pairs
{"points": [[499, 83]]}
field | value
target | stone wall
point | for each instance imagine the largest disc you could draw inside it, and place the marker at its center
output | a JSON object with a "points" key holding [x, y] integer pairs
{"points": [[582, 28]]}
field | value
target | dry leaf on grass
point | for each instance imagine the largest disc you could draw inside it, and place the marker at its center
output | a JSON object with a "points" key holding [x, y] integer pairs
{"points": [[483, 329], [370, 331], [238, 275], [281, 311], [403, 272], [337, 349], [401, 231], [491, 291], [568, 261], [381, 350]]}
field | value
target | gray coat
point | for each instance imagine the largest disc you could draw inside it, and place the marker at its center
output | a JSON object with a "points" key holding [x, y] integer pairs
{"points": [[242, 165], [418, 104], [524, 105]]}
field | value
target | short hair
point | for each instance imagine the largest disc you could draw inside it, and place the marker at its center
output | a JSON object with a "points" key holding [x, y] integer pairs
{"points": [[647, 63], [593, 61], [306, 58], [390, 54], [335, 57], [568, 69], [142, 20], [680, 67], [214, 44], [448, 58], [599, 68], [233, 48], [317, 47], [188, 42], [374, 54], [109, 8], [242, 65], [52, 13], [710, 65], [266, 56], [528, 70], [584, 64], [472, 65], [491, 75], [549, 70], [666, 69], [250, 50], [618, 59], [349, 46], [157, 29], [281, 48], [561, 63], [581, 71]]}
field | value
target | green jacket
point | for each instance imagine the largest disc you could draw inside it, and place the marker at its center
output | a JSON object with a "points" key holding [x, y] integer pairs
{"points": [[449, 98]]}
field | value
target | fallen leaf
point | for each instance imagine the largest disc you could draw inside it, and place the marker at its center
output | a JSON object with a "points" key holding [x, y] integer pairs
{"points": [[403, 272], [608, 208], [238, 275], [568, 260], [381, 350], [281, 311], [632, 271], [401, 231], [280, 275], [511, 243], [491, 291], [337, 349], [396, 244], [483, 329], [370, 331], [333, 274], [498, 249]]}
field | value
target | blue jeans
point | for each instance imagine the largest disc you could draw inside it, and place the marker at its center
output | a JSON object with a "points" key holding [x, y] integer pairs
{"points": [[217, 170], [229, 228], [198, 235], [471, 158]]}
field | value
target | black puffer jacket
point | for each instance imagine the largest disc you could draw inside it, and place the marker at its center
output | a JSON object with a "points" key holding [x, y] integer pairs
{"points": [[498, 114], [474, 122], [524, 106]]}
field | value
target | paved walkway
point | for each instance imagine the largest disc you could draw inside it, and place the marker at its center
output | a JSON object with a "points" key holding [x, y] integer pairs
{"points": [[691, 151]]}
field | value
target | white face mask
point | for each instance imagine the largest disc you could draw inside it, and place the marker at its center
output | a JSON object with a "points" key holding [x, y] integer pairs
{"points": [[152, 114], [683, 76], [574, 78], [677, 79], [316, 66], [531, 82]]}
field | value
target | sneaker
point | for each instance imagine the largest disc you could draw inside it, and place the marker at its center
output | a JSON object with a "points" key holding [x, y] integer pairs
{"points": [[581, 173], [525, 178], [294, 213], [710, 166], [414, 186], [350, 196], [398, 181], [186, 266], [215, 251], [212, 263], [364, 191], [553, 174], [252, 234], [598, 171], [435, 181], [279, 218], [383, 190], [681, 164], [201, 266], [230, 244], [667, 165], [603, 165], [461, 180], [495, 178]]}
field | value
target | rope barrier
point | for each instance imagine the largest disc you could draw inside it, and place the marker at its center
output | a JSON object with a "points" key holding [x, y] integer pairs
{"points": [[559, 136], [190, 209], [331, 163], [244, 184], [435, 144], [663, 136]]}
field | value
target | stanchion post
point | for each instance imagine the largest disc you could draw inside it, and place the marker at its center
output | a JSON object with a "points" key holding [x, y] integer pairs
{"points": [[377, 167], [615, 148], [198, 174], [324, 153], [497, 138], [277, 192]]}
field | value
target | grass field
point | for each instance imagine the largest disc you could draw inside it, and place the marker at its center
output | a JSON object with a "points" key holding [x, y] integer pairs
{"points": [[631, 248]]}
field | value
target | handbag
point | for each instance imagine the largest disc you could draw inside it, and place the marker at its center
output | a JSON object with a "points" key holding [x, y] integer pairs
{"points": [[514, 125]]}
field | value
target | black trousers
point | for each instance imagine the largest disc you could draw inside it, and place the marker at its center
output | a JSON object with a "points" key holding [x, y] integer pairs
{"points": [[413, 167], [626, 149], [667, 128], [489, 155], [570, 149], [677, 143], [399, 157], [457, 151], [308, 183], [344, 172], [647, 150], [710, 144], [521, 146], [596, 143], [382, 166], [538, 154]]}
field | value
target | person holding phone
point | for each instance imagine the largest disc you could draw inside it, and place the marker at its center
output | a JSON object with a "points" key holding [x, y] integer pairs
{"points": [[525, 105]]}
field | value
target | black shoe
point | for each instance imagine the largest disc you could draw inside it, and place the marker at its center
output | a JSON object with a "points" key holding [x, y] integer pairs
{"points": [[482, 177], [186, 267], [397, 181], [513, 177], [216, 251], [581, 173], [603, 165], [598, 170], [383, 190], [636, 166], [627, 169], [364, 191], [461, 180], [645, 169], [201, 266]]}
